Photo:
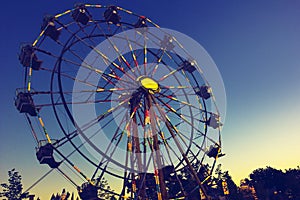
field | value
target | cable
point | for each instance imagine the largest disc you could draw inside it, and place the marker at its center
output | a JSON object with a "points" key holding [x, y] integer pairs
{"points": [[39, 180]]}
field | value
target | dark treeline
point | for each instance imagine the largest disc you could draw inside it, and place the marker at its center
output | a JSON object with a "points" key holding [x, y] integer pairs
{"points": [[262, 184]]}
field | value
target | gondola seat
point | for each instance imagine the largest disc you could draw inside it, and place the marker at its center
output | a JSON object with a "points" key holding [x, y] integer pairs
{"points": [[188, 66], [215, 152], [50, 28], [111, 15], [45, 155], [79, 14], [214, 121], [203, 91], [167, 43], [28, 58], [24, 104]]}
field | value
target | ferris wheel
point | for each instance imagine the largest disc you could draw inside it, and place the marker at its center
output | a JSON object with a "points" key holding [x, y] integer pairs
{"points": [[108, 94]]}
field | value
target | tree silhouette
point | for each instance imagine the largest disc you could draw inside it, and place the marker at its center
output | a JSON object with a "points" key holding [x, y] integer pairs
{"points": [[246, 190], [63, 196], [13, 189], [270, 183], [105, 190], [222, 181], [292, 180], [266, 181], [214, 185]]}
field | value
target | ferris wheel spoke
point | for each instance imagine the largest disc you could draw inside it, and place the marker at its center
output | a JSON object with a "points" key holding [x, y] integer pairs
{"points": [[142, 176], [185, 104], [77, 80], [172, 72], [104, 57], [157, 162], [99, 118], [81, 28], [98, 90], [160, 132], [118, 53], [175, 129], [168, 53], [73, 165], [74, 134], [180, 101], [184, 139], [145, 56], [65, 158], [82, 144], [74, 100], [168, 75], [125, 176], [102, 116], [67, 177], [144, 52], [115, 137], [134, 56], [175, 172], [90, 137], [40, 106], [180, 116], [105, 76], [159, 60]]}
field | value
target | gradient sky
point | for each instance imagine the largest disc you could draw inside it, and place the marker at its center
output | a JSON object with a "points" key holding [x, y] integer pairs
{"points": [[255, 44]]}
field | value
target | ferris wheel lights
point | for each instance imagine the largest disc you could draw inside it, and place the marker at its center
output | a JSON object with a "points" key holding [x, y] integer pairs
{"points": [[188, 66], [24, 104], [28, 58], [49, 27], [79, 14], [111, 15], [203, 91]]}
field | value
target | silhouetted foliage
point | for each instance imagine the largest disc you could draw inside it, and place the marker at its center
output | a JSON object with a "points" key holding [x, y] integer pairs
{"points": [[224, 178], [292, 179], [246, 190], [273, 184], [263, 184], [213, 185], [63, 196], [99, 190], [13, 189], [105, 190]]}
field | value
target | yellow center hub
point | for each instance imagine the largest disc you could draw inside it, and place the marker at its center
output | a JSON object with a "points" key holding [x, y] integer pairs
{"points": [[149, 84]]}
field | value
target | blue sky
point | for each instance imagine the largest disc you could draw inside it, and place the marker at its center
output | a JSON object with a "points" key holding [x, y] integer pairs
{"points": [[255, 44]]}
